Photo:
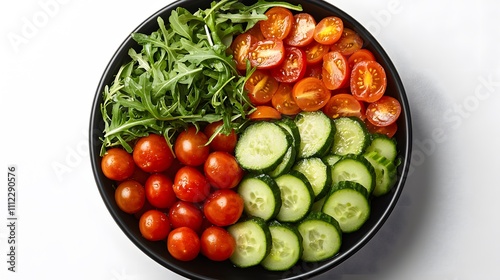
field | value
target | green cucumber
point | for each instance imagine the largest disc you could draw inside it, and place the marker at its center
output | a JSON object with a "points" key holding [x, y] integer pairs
{"points": [[354, 168], [321, 237], [384, 146], [253, 242], [385, 173], [351, 136], [286, 247], [331, 159], [289, 125], [261, 196], [316, 133], [317, 173], [286, 163], [297, 196]]}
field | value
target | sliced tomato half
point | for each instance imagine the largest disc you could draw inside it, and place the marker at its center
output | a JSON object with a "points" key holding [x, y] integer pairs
{"points": [[368, 81], [344, 105], [240, 48], [267, 53], [261, 87], [384, 111], [302, 32], [278, 23], [293, 66], [348, 43], [335, 70], [310, 94], [283, 100], [328, 30]]}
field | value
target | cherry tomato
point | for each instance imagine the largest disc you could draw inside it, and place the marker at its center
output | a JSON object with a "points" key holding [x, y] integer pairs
{"points": [[384, 111], [256, 32], [222, 170], [302, 31], [159, 191], [368, 81], [223, 207], [265, 112], [154, 225], [278, 23], [293, 66], [191, 185], [117, 164], [261, 87], [283, 100], [360, 55], [348, 43], [190, 147], [221, 142], [240, 48], [130, 196], [310, 94], [344, 105], [183, 244], [315, 52], [328, 30], [217, 244], [152, 153], [389, 130], [335, 71], [267, 53], [185, 214]]}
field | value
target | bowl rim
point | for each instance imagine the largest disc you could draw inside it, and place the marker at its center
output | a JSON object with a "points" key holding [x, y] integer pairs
{"points": [[403, 169]]}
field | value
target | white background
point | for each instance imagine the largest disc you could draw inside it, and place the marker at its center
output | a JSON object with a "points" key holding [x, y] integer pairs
{"points": [[445, 226]]}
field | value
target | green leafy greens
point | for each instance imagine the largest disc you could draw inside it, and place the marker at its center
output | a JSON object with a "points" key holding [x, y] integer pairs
{"points": [[182, 75]]}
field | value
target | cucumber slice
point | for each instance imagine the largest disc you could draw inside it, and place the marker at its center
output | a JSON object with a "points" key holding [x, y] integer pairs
{"points": [[262, 146], [297, 196], [321, 235], [348, 203], [286, 247], [384, 146], [286, 164], [317, 173], [331, 159], [385, 173], [354, 168], [261, 196], [253, 242], [351, 136], [289, 125], [316, 133]]}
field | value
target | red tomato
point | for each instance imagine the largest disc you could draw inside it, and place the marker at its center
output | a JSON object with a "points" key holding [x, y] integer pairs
{"points": [[278, 23], [335, 71], [223, 207], [293, 66], [159, 191], [348, 43], [190, 147], [185, 214], [117, 164], [389, 130], [315, 52], [154, 225], [130, 196], [310, 94], [152, 153], [240, 48], [191, 185], [328, 30], [283, 100], [265, 112], [368, 81], [344, 105], [221, 142], [302, 31], [183, 244], [384, 111], [267, 53], [217, 244], [222, 170], [261, 87], [360, 55]]}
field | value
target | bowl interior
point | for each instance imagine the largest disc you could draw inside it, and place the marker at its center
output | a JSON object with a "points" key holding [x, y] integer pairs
{"points": [[203, 268]]}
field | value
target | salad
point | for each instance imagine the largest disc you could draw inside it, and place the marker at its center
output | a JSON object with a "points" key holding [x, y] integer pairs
{"points": [[255, 134]]}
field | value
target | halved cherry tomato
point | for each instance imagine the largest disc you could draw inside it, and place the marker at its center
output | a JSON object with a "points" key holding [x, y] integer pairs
{"points": [[190, 147], [117, 164], [223, 207], [384, 111], [217, 243], [130, 196], [360, 55], [183, 244], [221, 142], [185, 214], [278, 23], [222, 170], [344, 105], [152, 153], [368, 81], [335, 71], [328, 30], [310, 94], [256, 32], [261, 87], [154, 225], [267, 53], [159, 191], [315, 52], [348, 43], [240, 48], [191, 185], [293, 66], [283, 100], [265, 112], [302, 32], [389, 130]]}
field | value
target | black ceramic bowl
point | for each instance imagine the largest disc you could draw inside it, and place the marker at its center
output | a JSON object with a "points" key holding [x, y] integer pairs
{"points": [[202, 268]]}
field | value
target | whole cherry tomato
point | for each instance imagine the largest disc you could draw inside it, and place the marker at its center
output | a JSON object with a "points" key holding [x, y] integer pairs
{"points": [[117, 164], [152, 153], [154, 225], [130, 196], [190, 147], [185, 214], [223, 207], [159, 191], [183, 244], [222, 170], [221, 142], [191, 185], [217, 243]]}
